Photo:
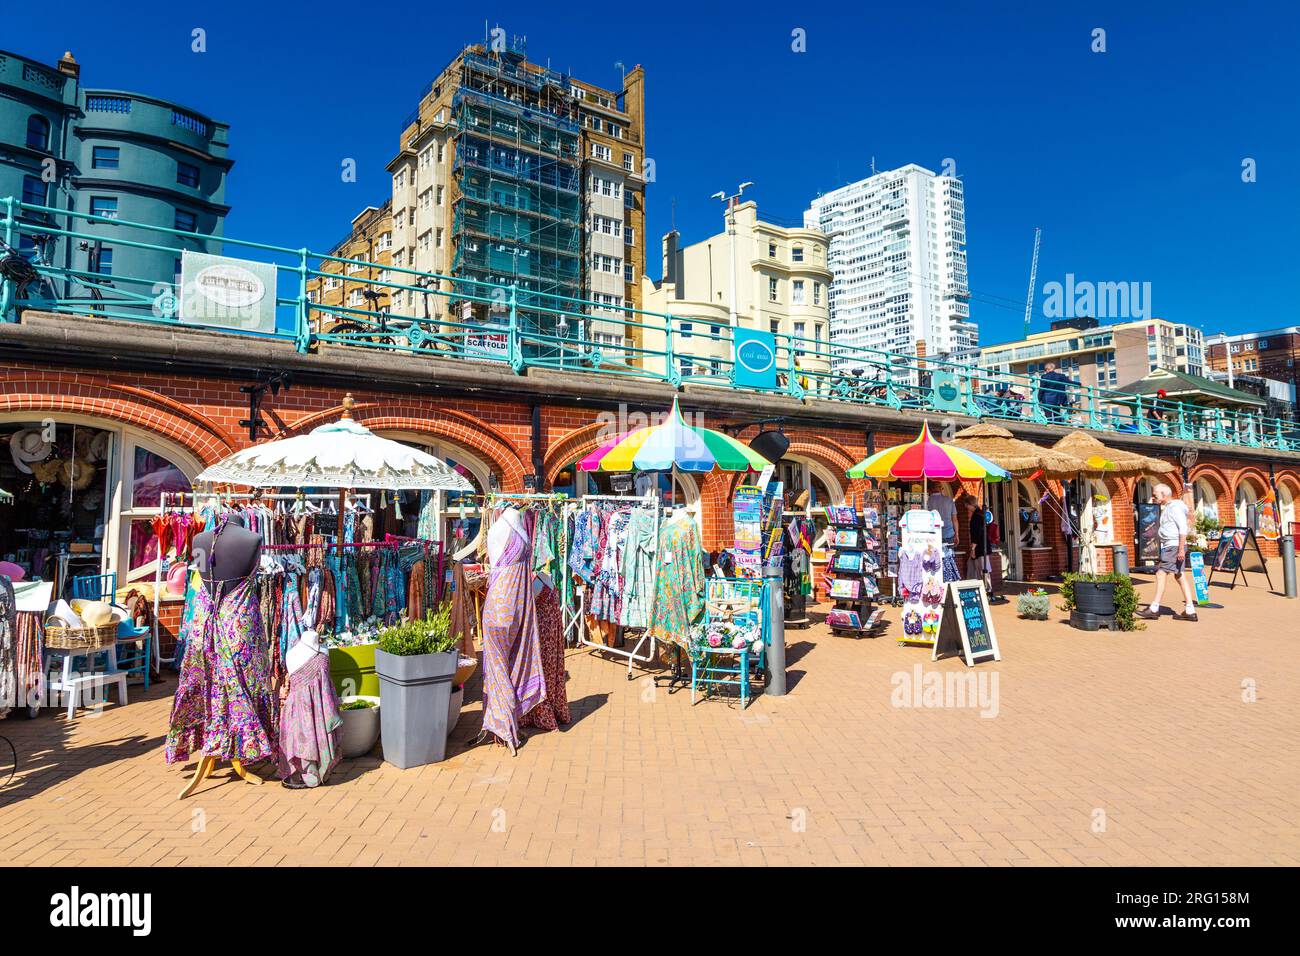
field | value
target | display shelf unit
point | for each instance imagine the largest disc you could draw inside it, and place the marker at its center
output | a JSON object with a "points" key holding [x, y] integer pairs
{"points": [[853, 569]]}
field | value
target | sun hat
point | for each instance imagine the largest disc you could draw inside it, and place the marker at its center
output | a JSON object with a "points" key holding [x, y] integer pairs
{"points": [[28, 445], [14, 572], [176, 578]]}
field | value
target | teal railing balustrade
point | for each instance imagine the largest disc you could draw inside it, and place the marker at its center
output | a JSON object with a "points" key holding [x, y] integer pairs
{"points": [[404, 310]]}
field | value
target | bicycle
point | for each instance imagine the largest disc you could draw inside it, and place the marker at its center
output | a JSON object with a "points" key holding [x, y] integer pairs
{"points": [[25, 273]]}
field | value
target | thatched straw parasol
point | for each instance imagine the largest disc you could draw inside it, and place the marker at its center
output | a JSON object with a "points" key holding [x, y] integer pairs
{"points": [[1101, 459], [1016, 455]]}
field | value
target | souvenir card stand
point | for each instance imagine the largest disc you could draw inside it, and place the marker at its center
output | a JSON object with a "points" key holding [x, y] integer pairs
{"points": [[853, 568], [920, 575]]}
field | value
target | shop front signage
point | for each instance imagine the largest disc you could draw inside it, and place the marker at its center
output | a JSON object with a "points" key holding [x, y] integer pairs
{"points": [[225, 293], [1237, 553], [945, 392], [1196, 564], [967, 625], [754, 354]]}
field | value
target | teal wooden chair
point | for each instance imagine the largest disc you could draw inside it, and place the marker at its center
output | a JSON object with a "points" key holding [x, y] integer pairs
{"points": [[131, 653]]}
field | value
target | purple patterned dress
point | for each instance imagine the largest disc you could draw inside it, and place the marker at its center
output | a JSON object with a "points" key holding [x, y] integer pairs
{"points": [[512, 660], [309, 724], [224, 706]]}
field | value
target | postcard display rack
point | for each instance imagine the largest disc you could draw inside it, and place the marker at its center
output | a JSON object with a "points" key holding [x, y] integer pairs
{"points": [[853, 567]]}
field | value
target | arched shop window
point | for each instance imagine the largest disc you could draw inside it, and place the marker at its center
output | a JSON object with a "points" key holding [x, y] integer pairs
{"points": [[1286, 507], [451, 517], [572, 480], [801, 474], [1028, 514], [1205, 499], [85, 492], [1244, 505]]}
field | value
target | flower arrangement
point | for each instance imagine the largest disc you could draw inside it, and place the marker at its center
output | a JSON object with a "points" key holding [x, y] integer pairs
{"points": [[727, 634]]}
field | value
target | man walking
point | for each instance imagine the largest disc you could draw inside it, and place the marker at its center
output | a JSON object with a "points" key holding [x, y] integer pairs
{"points": [[1173, 554], [1052, 394]]}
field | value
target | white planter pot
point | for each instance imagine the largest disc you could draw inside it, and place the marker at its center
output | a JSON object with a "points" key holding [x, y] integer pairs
{"points": [[453, 708], [360, 728]]}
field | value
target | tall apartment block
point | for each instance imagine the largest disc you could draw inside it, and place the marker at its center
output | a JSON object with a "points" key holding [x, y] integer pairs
{"points": [[513, 173], [898, 257]]}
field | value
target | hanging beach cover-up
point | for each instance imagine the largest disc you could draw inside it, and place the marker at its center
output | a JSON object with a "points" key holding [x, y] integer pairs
{"points": [[679, 585], [639, 569], [513, 683]]}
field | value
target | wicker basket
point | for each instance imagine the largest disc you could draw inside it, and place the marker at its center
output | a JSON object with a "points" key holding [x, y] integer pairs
{"points": [[62, 638]]}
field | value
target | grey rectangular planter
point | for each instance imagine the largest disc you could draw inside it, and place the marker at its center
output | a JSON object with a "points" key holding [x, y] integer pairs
{"points": [[414, 694]]}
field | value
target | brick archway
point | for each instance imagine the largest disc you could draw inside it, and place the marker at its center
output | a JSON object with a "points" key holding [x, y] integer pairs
{"points": [[130, 405], [496, 450], [572, 447]]}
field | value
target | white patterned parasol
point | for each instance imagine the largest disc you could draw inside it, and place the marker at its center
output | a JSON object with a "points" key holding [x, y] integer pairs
{"points": [[342, 454]]}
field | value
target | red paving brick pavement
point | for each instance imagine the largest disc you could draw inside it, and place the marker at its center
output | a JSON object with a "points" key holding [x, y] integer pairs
{"points": [[1106, 749]]}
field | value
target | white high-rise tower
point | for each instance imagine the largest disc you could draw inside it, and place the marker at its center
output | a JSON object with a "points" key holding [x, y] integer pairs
{"points": [[898, 260]]}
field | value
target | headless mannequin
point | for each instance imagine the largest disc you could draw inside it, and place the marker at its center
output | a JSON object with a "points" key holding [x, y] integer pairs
{"points": [[302, 653], [307, 647], [233, 559]]}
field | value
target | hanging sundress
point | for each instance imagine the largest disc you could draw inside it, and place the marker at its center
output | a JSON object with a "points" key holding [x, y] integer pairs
{"points": [[554, 710], [513, 682], [638, 571], [679, 584]]}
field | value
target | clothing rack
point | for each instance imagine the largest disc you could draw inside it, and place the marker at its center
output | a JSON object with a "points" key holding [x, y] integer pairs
{"points": [[174, 501], [648, 500]]}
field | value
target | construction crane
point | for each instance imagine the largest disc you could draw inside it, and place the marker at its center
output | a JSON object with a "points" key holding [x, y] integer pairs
{"points": [[1033, 278]]}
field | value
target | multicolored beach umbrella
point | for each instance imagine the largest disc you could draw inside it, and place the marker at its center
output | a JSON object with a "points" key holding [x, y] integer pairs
{"points": [[673, 444], [926, 458]]}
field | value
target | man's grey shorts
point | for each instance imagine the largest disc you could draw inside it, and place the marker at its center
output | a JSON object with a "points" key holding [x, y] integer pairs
{"points": [[1170, 561]]}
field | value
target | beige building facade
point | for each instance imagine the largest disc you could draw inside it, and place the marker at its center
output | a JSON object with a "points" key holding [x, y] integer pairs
{"points": [[356, 285], [782, 287]]}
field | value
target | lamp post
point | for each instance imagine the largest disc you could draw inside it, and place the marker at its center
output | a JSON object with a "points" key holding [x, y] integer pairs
{"points": [[731, 232], [562, 327]]}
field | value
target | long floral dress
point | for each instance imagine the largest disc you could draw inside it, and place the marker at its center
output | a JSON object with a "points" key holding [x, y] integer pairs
{"points": [[513, 681], [224, 706], [554, 710], [679, 584]]}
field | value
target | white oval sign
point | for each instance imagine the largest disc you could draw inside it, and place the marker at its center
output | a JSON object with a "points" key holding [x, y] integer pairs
{"points": [[231, 286]]}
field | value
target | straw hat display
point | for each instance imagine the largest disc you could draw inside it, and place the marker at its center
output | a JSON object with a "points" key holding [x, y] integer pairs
{"points": [[1016, 455], [1102, 459], [28, 446]]}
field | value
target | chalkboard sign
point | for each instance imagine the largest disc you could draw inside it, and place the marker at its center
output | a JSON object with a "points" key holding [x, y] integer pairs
{"points": [[1148, 532], [967, 625], [325, 523], [1237, 553]]}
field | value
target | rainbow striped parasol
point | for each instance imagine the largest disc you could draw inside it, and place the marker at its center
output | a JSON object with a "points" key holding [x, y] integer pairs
{"points": [[926, 458], [673, 444]]}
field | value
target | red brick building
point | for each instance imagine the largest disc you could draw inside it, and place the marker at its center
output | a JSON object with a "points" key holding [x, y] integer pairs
{"points": [[171, 399]]}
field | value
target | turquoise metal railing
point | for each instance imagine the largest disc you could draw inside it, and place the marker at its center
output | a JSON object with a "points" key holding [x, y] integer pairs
{"points": [[404, 310]]}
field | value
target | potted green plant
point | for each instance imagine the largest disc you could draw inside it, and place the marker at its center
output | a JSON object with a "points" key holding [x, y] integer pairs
{"points": [[360, 727], [1034, 605], [1102, 594], [416, 662]]}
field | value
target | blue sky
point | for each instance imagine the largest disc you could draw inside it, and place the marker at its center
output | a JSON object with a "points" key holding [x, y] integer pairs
{"points": [[1130, 160]]}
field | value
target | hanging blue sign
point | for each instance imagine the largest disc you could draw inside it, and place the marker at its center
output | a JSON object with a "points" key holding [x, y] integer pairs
{"points": [[754, 359], [945, 392]]}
